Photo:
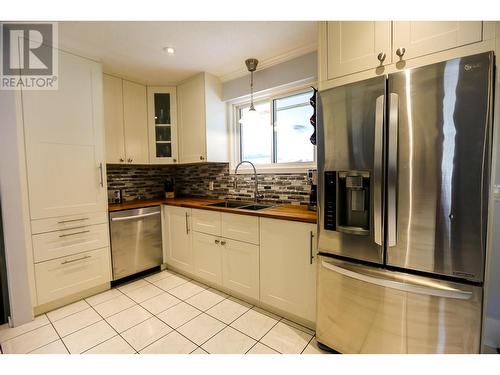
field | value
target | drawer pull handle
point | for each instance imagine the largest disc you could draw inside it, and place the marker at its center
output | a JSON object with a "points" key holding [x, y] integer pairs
{"points": [[72, 220], [72, 234], [76, 260], [73, 228]]}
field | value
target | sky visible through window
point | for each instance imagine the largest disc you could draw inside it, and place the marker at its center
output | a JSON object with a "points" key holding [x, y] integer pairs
{"points": [[292, 130]]}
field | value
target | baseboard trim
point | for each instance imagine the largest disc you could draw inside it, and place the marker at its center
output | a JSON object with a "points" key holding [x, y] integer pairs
{"points": [[49, 306]]}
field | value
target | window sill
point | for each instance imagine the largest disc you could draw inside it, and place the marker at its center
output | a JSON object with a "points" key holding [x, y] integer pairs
{"points": [[273, 168]]}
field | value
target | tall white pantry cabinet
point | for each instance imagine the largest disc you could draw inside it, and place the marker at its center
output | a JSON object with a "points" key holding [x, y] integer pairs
{"points": [[65, 180]]}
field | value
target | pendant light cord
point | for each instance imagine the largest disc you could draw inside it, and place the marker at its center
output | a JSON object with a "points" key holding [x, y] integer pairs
{"points": [[251, 92]]}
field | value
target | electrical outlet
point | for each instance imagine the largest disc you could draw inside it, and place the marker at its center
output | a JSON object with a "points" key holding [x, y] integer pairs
{"points": [[211, 186]]}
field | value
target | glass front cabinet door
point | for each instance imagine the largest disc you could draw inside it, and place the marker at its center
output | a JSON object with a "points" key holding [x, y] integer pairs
{"points": [[162, 116]]}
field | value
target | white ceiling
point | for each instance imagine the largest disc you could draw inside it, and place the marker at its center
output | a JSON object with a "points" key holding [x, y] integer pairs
{"points": [[134, 50]]}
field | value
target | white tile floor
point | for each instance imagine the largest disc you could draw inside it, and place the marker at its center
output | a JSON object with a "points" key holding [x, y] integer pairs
{"points": [[163, 313]]}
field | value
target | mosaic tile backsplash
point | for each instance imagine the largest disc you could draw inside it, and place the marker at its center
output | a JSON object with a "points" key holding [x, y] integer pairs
{"points": [[146, 182]]}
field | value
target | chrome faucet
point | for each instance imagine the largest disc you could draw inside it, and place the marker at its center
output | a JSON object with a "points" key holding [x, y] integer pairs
{"points": [[256, 183]]}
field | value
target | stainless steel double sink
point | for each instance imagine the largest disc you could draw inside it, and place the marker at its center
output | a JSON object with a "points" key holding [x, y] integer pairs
{"points": [[240, 205]]}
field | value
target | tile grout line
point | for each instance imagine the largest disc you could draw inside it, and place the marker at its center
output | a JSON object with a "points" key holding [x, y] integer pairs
{"points": [[226, 325], [302, 352], [57, 333], [60, 338], [205, 288], [258, 341], [261, 343], [31, 330], [229, 325], [113, 328]]}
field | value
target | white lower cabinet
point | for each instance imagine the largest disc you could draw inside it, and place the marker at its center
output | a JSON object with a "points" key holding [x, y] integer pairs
{"points": [[288, 266], [64, 242], [178, 247], [267, 260], [62, 277], [207, 257], [240, 267]]}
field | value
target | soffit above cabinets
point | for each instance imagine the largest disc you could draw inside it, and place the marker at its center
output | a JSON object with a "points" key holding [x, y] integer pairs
{"points": [[134, 50]]}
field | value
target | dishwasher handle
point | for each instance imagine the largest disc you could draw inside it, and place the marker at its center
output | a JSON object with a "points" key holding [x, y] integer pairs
{"points": [[133, 217]]}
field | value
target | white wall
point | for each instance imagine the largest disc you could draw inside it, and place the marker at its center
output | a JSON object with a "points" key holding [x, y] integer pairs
{"points": [[14, 210], [299, 69]]}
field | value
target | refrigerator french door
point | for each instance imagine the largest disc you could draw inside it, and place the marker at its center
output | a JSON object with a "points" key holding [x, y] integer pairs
{"points": [[404, 165]]}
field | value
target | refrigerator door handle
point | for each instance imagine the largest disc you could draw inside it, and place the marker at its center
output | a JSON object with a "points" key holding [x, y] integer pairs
{"points": [[405, 285], [377, 169], [392, 169]]}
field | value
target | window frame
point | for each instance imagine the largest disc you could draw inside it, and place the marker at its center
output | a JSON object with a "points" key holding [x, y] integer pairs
{"points": [[236, 140]]}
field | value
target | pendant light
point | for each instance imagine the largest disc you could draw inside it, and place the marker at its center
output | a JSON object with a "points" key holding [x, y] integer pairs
{"points": [[251, 116]]}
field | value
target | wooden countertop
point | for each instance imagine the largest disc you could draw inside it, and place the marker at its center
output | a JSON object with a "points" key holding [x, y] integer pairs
{"points": [[134, 204], [281, 211]]}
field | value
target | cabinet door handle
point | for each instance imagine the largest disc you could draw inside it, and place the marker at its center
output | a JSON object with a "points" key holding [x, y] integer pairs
{"points": [[381, 57], [101, 182], [76, 260], [217, 242], [223, 243], [122, 160], [400, 52], [202, 158], [187, 226], [73, 234], [311, 256]]}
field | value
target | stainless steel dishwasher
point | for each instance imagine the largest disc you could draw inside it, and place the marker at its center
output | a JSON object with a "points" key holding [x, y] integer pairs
{"points": [[136, 242]]}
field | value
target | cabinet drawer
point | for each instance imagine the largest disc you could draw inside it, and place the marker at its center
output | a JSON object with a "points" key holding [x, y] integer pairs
{"points": [[206, 222], [67, 222], [62, 277], [240, 227], [66, 242]]}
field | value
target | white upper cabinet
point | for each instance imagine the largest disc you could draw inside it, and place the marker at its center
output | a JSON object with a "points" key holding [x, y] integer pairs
{"points": [[125, 120], [64, 137], [113, 119], [357, 46], [203, 134], [135, 123], [162, 120], [420, 38], [351, 51]]}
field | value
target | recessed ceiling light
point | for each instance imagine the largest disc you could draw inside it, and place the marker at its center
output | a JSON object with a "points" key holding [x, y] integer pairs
{"points": [[169, 50]]}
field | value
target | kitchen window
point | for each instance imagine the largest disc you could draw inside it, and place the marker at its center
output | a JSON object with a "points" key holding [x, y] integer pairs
{"points": [[280, 135]]}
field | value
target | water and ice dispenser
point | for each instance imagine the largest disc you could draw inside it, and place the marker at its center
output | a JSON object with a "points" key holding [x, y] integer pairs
{"points": [[347, 201]]}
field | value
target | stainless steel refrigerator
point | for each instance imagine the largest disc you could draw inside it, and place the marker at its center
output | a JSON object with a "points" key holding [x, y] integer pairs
{"points": [[403, 181]]}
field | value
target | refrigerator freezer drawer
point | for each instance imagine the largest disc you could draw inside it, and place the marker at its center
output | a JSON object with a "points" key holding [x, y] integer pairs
{"points": [[368, 310]]}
